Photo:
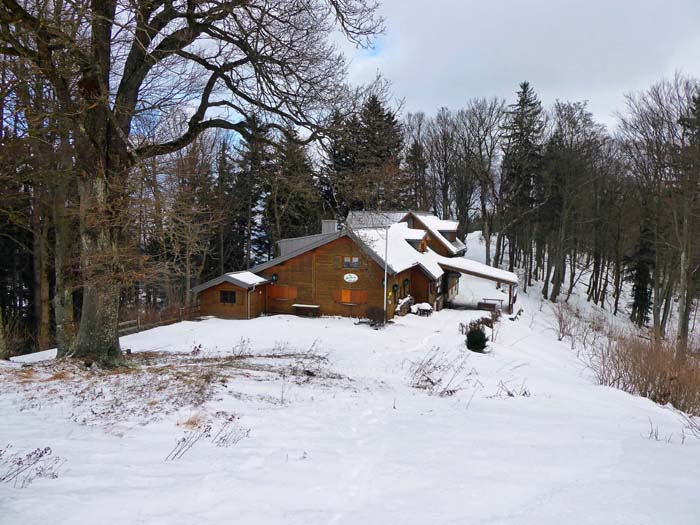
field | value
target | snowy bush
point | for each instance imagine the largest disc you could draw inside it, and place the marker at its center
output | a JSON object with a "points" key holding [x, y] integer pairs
{"points": [[476, 336]]}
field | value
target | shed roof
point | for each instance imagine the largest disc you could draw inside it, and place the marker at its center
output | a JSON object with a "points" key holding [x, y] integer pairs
{"points": [[470, 267], [241, 279]]}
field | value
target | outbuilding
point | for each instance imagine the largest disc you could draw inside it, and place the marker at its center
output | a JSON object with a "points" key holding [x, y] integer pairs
{"points": [[235, 295]]}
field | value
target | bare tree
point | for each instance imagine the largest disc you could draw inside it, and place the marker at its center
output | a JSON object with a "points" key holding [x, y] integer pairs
{"points": [[441, 144], [480, 123], [654, 140], [113, 64]]}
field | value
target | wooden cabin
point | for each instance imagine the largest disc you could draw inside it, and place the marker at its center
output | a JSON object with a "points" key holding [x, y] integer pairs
{"points": [[236, 295], [342, 272]]}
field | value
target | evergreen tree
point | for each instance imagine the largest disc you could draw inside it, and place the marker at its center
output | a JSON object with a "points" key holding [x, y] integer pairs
{"points": [[254, 166], [363, 168], [416, 172], [523, 149], [292, 200], [523, 132], [337, 175], [638, 271]]}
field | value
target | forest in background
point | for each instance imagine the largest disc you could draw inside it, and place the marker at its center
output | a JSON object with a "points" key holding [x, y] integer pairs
{"points": [[108, 211]]}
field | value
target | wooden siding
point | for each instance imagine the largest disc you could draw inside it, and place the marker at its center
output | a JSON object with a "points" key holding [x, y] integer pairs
{"points": [[210, 303], [318, 277], [420, 287], [433, 243]]}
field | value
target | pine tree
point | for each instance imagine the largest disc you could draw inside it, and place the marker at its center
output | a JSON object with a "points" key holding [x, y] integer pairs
{"points": [[254, 166], [638, 271], [292, 199], [523, 133], [416, 171], [337, 175], [382, 184], [363, 168]]}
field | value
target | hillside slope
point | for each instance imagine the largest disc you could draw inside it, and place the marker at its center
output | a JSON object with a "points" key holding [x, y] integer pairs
{"points": [[325, 425]]}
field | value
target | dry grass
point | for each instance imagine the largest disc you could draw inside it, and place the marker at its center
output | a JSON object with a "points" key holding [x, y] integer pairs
{"points": [[155, 384], [641, 367], [62, 375], [194, 421]]}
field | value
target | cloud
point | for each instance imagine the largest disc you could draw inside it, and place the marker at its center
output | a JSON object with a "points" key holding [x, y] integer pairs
{"points": [[444, 52]]}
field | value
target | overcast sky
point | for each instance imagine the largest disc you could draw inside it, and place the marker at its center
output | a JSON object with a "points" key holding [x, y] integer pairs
{"points": [[442, 52]]}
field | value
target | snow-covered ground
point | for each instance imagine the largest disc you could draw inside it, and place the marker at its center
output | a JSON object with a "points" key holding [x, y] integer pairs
{"points": [[323, 424]]}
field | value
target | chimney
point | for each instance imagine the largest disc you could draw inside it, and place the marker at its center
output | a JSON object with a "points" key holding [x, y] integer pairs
{"points": [[329, 226]]}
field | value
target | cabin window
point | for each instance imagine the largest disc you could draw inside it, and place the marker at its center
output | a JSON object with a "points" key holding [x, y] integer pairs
{"points": [[282, 293], [406, 287], [227, 296], [350, 297], [351, 262]]}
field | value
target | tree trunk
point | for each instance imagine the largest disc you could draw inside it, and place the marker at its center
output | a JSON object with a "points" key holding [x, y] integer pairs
{"points": [[683, 284], [485, 231], [188, 278], [63, 293], [98, 332], [499, 250], [41, 271], [4, 353]]}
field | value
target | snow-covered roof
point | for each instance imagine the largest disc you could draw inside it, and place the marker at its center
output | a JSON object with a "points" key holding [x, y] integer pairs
{"points": [[433, 222], [470, 267], [401, 255], [358, 219], [437, 227], [248, 278], [241, 279]]}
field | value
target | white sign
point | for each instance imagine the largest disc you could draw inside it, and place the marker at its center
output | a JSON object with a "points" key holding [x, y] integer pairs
{"points": [[350, 278]]}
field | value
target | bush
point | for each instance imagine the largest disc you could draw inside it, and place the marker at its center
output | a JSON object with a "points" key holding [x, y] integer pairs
{"points": [[650, 370], [476, 337], [375, 315]]}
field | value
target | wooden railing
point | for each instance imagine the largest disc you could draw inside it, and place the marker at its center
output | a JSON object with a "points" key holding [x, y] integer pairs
{"points": [[151, 319]]}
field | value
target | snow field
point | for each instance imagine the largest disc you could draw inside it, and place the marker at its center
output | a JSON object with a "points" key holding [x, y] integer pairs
{"points": [[355, 443]]}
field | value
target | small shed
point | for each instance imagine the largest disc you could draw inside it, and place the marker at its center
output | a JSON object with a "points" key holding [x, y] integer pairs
{"points": [[235, 295]]}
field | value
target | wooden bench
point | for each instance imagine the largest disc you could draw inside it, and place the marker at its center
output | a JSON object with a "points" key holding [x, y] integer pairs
{"points": [[490, 305], [307, 310]]}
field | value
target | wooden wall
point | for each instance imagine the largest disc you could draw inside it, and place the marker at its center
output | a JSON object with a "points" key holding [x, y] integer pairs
{"points": [[210, 303], [318, 277], [432, 243]]}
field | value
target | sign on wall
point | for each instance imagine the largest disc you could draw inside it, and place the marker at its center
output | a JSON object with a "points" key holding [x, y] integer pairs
{"points": [[350, 278]]}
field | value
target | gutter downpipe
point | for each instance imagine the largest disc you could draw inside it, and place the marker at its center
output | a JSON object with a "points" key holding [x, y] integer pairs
{"points": [[386, 271], [248, 297]]}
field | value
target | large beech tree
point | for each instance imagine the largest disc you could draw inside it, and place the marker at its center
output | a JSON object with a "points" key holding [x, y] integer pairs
{"points": [[121, 71]]}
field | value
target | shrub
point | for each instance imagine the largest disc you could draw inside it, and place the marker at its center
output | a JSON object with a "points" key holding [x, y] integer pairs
{"points": [[565, 318], [438, 374], [375, 315], [649, 369], [476, 337]]}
